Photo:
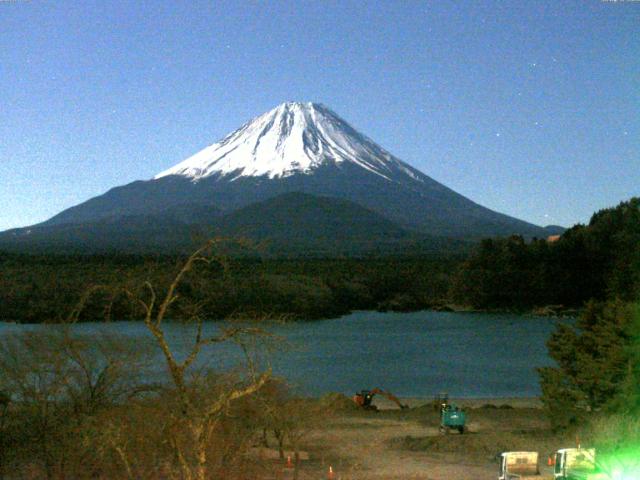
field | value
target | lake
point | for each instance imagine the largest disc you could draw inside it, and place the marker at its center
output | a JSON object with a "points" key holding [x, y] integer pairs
{"points": [[410, 354]]}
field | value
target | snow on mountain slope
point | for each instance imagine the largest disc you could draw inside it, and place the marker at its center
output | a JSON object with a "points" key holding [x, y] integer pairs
{"points": [[291, 138], [304, 148]]}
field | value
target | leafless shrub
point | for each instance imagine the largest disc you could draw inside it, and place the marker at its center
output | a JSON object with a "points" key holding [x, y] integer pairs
{"points": [[57, 381]]}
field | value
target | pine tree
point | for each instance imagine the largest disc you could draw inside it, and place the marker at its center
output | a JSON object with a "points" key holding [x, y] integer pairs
{"points": [[594, 359]]}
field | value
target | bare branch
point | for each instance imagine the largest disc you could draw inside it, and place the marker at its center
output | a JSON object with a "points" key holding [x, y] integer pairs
{"points": [[184, 465], [152, 302], [199, 415], [225, 399], [147, 307], [170, 297], [77, 310]]}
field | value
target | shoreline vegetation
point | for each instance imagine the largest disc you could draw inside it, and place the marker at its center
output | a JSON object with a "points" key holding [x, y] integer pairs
{"points": [[39, 295], [46, 288], [550, 311]]}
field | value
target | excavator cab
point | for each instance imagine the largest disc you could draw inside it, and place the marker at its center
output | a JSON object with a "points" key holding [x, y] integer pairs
{"points": [[364, 398]]}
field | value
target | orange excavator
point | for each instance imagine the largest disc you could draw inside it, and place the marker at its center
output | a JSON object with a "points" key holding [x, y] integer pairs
{"points": [[363, 398]]}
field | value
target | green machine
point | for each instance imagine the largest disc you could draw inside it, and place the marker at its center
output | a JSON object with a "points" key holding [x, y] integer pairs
{"points": [[451, 418]]}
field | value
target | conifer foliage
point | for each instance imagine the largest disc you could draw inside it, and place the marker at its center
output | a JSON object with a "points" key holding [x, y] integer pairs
{"points": [[594, 358]]}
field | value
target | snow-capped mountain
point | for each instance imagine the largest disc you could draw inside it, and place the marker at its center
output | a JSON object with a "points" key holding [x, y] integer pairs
{"points": [[296, 147], [292, 138]]}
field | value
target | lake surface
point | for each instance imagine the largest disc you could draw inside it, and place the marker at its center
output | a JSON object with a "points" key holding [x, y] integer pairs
{"points": [[410, 354]]}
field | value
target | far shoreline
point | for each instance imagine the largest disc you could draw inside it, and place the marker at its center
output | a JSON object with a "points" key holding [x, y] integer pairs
{"points": [[465, 402], [548, 311]]}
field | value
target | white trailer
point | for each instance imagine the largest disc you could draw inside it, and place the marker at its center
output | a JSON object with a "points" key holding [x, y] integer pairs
{"points": [[519, 466]]}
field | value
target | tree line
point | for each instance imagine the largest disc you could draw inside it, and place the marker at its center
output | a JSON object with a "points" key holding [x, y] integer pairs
{"points": [[45, 288], [588, 262]]}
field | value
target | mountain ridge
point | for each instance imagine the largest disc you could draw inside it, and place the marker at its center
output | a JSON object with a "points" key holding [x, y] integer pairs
{"points": [[305, 148], [292, 225]]}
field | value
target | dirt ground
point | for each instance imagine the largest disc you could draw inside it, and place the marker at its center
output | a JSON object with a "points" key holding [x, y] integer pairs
{"points": [[398, 444]]}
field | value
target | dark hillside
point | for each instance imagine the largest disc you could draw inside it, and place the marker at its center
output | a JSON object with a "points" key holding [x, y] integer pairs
{"points": [[290, 225], [594, 261]]}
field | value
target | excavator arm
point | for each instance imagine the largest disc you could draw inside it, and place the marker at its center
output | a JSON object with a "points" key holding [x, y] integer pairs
{"points": [[390, 396]]}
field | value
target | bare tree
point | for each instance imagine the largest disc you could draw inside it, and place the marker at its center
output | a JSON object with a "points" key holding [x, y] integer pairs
{"points": [[74, 393], [290, 419], [57, 380], [199, 414]]}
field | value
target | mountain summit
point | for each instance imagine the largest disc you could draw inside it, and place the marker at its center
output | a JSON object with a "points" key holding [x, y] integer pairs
{"points": [[251, 175], [292, 138]]}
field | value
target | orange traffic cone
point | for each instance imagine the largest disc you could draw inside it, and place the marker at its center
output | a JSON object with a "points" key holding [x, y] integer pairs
{"points": [[289, 463], [550, 461], [331, 475]]}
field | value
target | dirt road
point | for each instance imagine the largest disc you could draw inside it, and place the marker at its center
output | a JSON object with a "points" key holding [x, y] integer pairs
{"points": [[397, 444]]}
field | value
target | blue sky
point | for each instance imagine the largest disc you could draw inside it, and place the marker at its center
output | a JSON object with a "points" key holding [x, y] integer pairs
{"points": [[531, 108]]}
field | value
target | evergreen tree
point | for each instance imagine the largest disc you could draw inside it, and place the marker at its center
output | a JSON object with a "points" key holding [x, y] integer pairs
{"points": [[594, 361]]}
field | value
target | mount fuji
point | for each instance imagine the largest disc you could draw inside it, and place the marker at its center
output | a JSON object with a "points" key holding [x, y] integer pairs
{"points": [[293, 156], [293, 138]]}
